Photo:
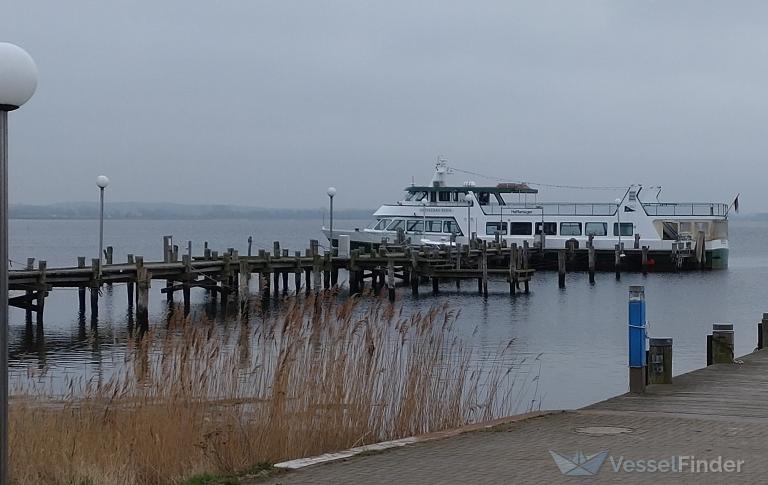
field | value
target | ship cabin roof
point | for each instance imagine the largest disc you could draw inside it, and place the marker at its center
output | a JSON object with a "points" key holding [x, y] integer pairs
{"points": [[503, 188]]}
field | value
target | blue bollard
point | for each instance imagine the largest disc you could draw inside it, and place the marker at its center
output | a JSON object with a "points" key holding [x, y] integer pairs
{"points": [[637, 338]]}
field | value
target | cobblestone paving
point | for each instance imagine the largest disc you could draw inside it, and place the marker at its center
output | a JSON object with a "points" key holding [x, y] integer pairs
{"points": [[519, 453]]}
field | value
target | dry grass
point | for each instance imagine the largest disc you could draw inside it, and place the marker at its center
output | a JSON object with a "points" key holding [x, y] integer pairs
{"points": [[317, 376]]}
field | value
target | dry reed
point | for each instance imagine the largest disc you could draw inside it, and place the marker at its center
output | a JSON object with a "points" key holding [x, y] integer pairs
{"points": [[317, 376]]}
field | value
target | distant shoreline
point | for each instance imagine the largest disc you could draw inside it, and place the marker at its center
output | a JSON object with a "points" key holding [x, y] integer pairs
{"points": [[170, 211]]}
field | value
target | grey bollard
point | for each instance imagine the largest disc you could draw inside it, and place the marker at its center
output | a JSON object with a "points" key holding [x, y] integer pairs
{"points": [[660, 361], [722, 343]]}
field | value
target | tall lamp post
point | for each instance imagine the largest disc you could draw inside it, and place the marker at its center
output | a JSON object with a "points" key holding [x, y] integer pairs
{"points": [[18, 81], [331, 193], [102, 182]]}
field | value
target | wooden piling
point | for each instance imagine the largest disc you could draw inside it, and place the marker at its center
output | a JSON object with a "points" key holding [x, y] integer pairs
{"points": [[327, 270], [244, 290], [415, 273], [129, 286], [391, 279], [185, 288], [660, 361], [764, 331], [143, 284], [435, 285], [30, 266], [644, 260], [722, 343], [617, 261], [561, 268], [42, 288], [485, 268], [95, 282], [81, 288]]}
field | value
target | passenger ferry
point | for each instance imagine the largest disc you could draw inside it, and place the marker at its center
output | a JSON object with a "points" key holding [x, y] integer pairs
{"points": [[442, 214]]}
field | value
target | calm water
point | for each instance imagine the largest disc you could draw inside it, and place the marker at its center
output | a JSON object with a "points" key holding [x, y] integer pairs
{"points": [[579, 333]]}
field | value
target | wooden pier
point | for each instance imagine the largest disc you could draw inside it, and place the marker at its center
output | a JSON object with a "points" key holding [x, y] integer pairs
{"points": [[227, 276]]}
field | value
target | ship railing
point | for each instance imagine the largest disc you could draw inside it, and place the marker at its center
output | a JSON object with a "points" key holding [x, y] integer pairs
{"points": [[554, 209], [704, 209]]}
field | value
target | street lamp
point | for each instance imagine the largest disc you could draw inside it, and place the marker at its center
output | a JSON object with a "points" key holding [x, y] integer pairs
{"points": [[102, 182], [468, 199], [18, 81], [331, 192]]}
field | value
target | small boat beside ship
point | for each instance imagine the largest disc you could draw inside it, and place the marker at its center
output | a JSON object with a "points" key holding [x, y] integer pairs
{"points": [[676, 234]]}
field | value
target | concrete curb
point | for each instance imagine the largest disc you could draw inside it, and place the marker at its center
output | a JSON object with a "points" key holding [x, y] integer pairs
{"points": [[386, 445]]}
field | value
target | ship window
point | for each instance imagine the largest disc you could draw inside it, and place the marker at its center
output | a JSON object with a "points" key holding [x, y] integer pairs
{"points": [[570, 228], [416, 195], [434, 225], [550, 228], [484, 198], [520, 228], [451, 227], [415, 226], [444, 196], [459, 196], [491, 228], [382, 224], [433, 196], [396, 224], [596, 228], [626, 229]]}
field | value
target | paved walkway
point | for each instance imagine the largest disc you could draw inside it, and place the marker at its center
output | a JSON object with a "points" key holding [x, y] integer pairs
{"points": [[721, 411]]}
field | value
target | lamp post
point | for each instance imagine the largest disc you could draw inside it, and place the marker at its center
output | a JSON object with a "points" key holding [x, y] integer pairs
{"points": [[102, 182], [331, 192], [468, 200], [18, 81]]}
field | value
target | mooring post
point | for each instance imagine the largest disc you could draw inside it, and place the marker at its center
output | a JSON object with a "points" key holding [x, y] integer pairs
{"points": [[42, 289], [81, 288], [108, 254], [513, 269], [526, 254], [637, 335], [226, 272], [95, 282], [617, 261], [764, 329], [722, 343], [276, 283], [129, 286], [250, 245], [660, 364], [264, 292], [561, 268], [143, 284], [645, 260], [637, 241]]}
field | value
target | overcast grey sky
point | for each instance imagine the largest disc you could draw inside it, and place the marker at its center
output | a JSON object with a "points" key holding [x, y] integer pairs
{"points": [[267, 103]]}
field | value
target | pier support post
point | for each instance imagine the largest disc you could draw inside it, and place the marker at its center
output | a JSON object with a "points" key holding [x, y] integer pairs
{"points": [[414, 273], [645, 260], [391, 279], [617, 261], [485, 269], [326, 270], [143, 284], [722, 343], [30, 266], [660, 361], [185, 288], [592, 259], [561, 268], [513, 269], [435, 285], [243, 293], [129, 286], [81, 289], [637, 329], [41, 292], [95, 282]]}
